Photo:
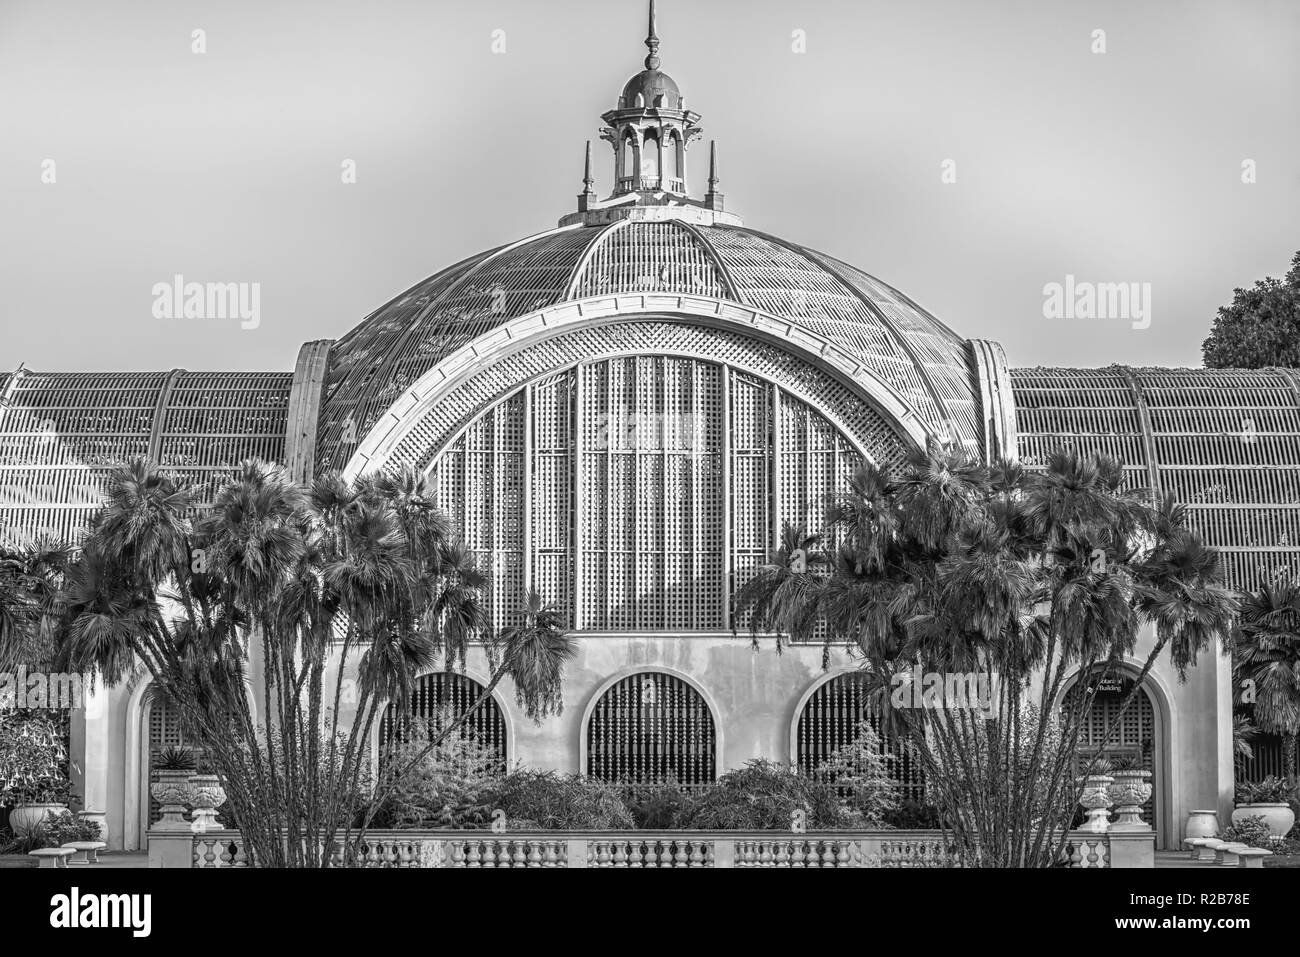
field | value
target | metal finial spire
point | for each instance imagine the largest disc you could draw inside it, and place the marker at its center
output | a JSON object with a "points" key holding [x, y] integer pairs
{"points": [[713, 166], [586, 171], [652, 41]]}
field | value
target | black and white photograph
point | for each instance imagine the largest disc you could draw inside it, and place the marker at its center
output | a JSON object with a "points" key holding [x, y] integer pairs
{"points": [[705, 434]]}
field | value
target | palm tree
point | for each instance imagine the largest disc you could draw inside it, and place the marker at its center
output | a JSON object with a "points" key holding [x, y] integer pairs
{"points": [[1268, 655], [30, 580]]}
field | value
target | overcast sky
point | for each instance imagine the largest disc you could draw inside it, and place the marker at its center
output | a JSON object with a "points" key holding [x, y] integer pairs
{"points": [[225, 166]]}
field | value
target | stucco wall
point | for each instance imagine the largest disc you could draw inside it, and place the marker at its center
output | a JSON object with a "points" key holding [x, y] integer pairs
{"points": [[754, 696]]}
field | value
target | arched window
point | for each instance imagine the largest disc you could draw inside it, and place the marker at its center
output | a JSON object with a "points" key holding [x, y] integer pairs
{"points": [[652, 728], [650, 160], [672, 155], [830, 720], [627, 163], [437, 700]]}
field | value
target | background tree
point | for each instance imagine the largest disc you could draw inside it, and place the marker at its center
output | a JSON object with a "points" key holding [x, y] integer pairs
{"points": [[1260, 328], [1018, 580]]}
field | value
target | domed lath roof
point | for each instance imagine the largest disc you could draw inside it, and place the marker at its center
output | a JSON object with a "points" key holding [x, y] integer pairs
{"points": [[925, 363], [656, 89]]}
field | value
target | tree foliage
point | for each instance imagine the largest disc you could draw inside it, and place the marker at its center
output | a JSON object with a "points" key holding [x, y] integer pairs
{"points": [[1260, 327], [1014, 581]]}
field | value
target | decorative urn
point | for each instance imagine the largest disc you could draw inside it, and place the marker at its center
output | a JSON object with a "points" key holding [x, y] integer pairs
{"points": [[1096, 801], [206, 795], [1129, 791], [172, 791]]}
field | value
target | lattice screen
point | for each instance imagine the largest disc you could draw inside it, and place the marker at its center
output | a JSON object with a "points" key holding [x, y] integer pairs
{"points": [[629, 476], [437, 700], [652, 728], [830, 720]]}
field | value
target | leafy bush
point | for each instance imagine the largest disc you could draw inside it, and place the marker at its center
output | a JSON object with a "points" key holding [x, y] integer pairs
{"points": [[1251, 830], [912, 815], [764, 795], [447, 788], [66, 827], [563, 802], [1271, 790], [655, 807]]}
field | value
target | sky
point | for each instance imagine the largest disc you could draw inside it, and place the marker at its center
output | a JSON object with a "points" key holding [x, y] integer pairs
{"points": [[969, 153]]}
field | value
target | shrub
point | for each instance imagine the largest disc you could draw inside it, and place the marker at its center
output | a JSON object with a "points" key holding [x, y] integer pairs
{"points": [[32, 760], [912, 815], [66, 827], [859, 771], [447, 788], [1251, 830], [26, 838], [1271, 790], [563, 802], [655, 807], [764, 795]]}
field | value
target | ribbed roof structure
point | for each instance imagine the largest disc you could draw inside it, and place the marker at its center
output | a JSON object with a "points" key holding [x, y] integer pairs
{"points": [[1226, 442], [61, 434], [923, 361]]}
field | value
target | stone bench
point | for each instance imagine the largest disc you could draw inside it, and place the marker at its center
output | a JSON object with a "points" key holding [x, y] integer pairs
{"points": [[85, 852], [1253, 856], [1230, 851], [1194, 845], [1209, 849], [52, 856]]}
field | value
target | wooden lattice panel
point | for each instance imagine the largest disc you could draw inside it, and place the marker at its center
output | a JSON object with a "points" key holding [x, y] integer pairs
{"points": [[651, 728], [830, 720], [624, 476]]}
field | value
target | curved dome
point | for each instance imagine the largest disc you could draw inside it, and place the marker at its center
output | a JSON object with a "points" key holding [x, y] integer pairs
{"points": [[927, 366], [652, 84]]}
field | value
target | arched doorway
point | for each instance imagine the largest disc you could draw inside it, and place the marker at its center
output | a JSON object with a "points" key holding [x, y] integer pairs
{"points": [[438, 699], [1138, 735], [649, 728], [829, 719]]}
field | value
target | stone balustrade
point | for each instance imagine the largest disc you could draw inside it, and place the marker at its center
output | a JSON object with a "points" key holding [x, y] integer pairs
{"points": [[643, 849]]}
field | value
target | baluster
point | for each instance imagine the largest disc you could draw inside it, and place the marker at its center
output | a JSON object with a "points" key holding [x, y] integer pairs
{"points": [[828, 854], [474, 858], [679, 854], [697, 856], [534, 854], [782, 854], [764, 853], [842, 857], [517, 856], [636, 856], [797, 854]]}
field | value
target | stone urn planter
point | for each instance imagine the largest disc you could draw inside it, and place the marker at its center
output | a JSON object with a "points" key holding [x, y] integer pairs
{"points": [[172, 791], [1096, 801], [25, 815], [206, 795], [1279, 817], [1129, 791], [1202, 824]]}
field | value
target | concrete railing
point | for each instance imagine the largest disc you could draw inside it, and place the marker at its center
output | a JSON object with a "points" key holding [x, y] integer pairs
{"points": [[643, 849]]}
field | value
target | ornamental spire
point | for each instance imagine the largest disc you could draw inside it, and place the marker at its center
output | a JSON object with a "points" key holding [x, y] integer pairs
{"points": [[652, 42]]}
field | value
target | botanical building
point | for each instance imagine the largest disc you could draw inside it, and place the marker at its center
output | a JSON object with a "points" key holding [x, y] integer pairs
{"points": [[622, 413]]}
